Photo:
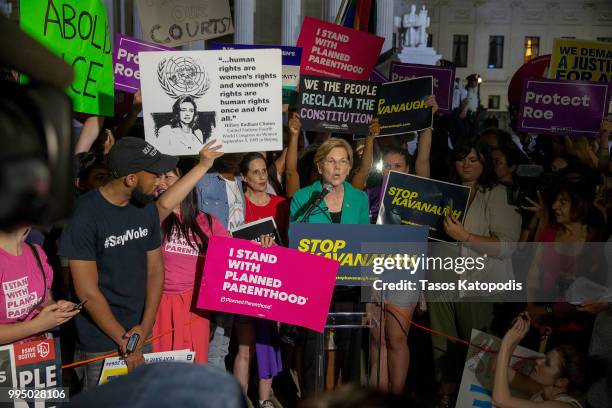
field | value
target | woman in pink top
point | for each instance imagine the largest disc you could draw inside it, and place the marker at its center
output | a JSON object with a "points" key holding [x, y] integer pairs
{"points": [[26, 306], [185, 239]]}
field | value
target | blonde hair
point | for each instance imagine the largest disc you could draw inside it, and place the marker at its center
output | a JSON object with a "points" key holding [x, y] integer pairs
{"points": [[327, 147]]}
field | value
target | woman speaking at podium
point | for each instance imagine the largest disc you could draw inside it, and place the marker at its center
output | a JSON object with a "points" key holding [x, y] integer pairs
{"points": [[333, 200]]}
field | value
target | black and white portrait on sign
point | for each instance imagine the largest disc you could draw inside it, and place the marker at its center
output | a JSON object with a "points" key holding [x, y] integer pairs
{"points": [[231, 96], [183, 126]]}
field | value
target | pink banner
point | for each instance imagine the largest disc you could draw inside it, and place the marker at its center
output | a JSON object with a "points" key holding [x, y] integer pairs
{"points": [[275, 283], [336, 51]]}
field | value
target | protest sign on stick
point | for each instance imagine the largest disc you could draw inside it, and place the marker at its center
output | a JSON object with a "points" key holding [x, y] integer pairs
{"points": [[177, 22], [126, 62], [402, 108], [414, 200], [336, 51], [443, 78], [78, 32], [580, 60], [232, 96], [336, 105], [549, 107], [273, 283]]}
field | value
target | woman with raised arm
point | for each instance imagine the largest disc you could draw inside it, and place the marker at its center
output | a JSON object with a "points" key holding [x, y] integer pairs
{"points": [[554, 382], [186, 232], [391, 371], [292, 178]]}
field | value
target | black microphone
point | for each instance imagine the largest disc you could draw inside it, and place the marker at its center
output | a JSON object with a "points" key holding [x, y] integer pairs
{"points": [[327, 188]]}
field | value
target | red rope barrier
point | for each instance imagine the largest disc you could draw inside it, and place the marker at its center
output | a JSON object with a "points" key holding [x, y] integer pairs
{"points": [[116, 353], [394, 308], [448, 336]]}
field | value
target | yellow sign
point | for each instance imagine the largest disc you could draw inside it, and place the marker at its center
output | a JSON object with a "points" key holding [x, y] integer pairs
{"points": [[579, 60]]}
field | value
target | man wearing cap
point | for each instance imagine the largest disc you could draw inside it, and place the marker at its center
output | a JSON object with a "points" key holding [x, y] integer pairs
{"points": [[113, 244]]}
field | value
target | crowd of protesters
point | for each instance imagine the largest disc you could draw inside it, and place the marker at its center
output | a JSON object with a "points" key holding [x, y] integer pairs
{"points": [[134, 249]]}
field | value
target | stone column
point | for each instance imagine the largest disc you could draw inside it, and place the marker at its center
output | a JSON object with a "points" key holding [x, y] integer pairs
{"points": [[136, 22], [330, 9], [384, 22], [244, 21], [292, 21], [110, 15]]}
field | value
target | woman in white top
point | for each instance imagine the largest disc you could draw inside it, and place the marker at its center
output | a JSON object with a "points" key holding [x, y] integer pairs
{"points": [[550, 385], [491, 226]]}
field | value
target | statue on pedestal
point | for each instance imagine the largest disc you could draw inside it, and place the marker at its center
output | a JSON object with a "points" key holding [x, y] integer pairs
{"points": [[413, 34], [409, 23], [422, 24]]}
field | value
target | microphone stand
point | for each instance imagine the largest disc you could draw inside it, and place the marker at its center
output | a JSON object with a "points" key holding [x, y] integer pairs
{"points": [[315, 204], [320, 338], [308, 213], [380, 334]]}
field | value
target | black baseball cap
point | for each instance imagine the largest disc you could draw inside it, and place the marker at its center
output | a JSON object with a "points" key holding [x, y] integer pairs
{"points": [[131, 155]]}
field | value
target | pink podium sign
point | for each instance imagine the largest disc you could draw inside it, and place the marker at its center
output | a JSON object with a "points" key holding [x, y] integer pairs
{"points": [[335, 51], [274, 283]]}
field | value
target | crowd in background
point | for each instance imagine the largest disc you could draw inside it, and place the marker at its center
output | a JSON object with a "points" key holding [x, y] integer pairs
{"points": [[135, 247]]}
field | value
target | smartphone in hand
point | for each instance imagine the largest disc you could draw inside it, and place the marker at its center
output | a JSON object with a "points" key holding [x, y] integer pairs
{"points": [[78, 306]]}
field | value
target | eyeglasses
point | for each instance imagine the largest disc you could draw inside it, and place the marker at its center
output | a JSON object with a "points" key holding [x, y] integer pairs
{"points": [[339, 163]]}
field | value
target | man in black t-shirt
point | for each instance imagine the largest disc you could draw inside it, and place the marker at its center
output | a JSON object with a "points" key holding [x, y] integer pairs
{"points": [[113, 244]]}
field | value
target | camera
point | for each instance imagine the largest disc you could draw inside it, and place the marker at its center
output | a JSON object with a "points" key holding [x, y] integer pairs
{"points": [[36, 127], [531, 178]]}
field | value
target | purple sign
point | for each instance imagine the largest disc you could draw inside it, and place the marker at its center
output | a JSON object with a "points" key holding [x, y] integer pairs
{"points": [[125, 61], [376, 76], [443, 78], [554, 107]]}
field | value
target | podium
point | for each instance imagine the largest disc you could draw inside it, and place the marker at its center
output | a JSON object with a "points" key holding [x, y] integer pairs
{"points": [[337, 321]]}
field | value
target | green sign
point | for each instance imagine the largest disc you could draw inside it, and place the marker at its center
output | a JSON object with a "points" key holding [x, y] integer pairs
{"points": [[290, 96], [76, 30]]}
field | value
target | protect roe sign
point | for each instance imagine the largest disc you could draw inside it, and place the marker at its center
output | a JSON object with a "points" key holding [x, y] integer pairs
{"points": [[77, 31], [563, 107]]}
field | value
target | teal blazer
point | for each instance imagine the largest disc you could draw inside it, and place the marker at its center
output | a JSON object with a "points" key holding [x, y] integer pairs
{"points": [[355, 207]]}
